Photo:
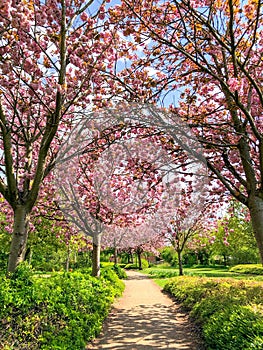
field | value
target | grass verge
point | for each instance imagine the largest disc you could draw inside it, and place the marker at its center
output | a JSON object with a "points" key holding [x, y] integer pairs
{"points": [[248, 272]]}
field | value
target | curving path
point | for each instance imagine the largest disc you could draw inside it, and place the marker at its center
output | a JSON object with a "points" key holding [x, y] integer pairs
{"points": [[145, 318]]}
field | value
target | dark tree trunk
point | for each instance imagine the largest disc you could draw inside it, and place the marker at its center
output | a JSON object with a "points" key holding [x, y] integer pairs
{"points": [[180, 263], [96, 243], [255, 205], [19, 237], [68, 259], [139, 254], [225, 259], [115, 255], [130, 257]]}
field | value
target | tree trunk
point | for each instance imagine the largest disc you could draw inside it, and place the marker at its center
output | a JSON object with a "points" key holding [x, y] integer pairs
{"points": [[225, 259], [180, 263], [255, 205], [19, 238], [139, 254], [130, 257], [68, 259], [96, 241], [115, 255]]}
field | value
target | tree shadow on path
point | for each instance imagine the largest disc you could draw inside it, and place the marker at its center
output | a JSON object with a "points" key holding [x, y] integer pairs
{"points": [[138, 277], [144, 318], [159, 329]]}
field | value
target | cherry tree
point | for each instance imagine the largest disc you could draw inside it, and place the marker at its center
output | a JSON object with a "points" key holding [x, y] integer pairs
{"points": [[54, 59], [83, 222], [185, 212], [189, 222], [58, 57], [204, 59], [116, 175], [106, 181]]}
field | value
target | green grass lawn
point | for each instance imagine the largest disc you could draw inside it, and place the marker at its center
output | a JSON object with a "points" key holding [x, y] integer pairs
{"points": [[161, 273]]}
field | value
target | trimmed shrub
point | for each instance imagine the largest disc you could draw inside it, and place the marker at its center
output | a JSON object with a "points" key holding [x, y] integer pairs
{"points": [[121, 265], [145, 264]]}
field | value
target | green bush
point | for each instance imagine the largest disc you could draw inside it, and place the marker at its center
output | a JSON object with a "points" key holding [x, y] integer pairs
{"points": [[120, 272], [253, 269], [111, 276], [237, 327], [225, 308], [169, 255], [60, 311], [145, 264], [131, 266], [121, 265]]}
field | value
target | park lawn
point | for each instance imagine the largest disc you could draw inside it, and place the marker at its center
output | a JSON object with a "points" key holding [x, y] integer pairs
{"points": [[163, 272], [161, 281]]}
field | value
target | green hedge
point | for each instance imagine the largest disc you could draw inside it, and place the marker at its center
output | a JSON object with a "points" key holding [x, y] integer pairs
{"points": [[230, 312], [61, 311], [253, 269]]}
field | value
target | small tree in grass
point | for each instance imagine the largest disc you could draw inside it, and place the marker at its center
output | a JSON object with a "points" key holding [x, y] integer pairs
{"points": [[188, 222]]}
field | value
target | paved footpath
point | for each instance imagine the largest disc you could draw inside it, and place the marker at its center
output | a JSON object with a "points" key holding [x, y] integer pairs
{"points": [[145, 318]]}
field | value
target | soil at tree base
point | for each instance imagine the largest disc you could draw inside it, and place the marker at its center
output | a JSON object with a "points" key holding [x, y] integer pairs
{"points": [[145, 318]]}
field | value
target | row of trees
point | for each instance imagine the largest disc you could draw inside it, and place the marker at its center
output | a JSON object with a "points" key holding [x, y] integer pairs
{"points": [[212, 52], [49, 249], [61, 58], [229, 242]]}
